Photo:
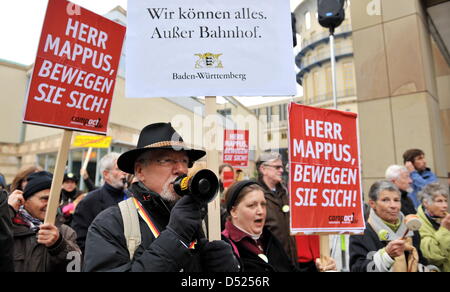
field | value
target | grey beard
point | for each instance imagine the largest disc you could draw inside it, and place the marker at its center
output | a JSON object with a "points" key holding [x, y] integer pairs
{"points": [[167, 194]]}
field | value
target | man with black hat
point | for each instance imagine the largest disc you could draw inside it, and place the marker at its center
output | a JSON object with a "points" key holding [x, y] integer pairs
{"points": [[171, 239], [38, 247]]}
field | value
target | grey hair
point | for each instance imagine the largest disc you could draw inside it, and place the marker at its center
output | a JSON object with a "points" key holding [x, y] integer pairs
{"points": [[108, 161], [431, 191], [394, 171], [379, 186], [266, 157]]}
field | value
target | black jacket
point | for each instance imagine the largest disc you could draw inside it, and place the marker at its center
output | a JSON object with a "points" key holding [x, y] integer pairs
{"points": [[407, 204], [361, 247], [6, 238], [106, 248], [88, 208], [278, 259]]}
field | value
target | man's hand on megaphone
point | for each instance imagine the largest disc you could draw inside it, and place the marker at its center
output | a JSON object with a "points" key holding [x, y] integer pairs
{"points": [[185, 219]]}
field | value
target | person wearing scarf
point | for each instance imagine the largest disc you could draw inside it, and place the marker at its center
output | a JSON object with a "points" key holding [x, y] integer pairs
{"points": [[435, 230], [253, 243], [39, 247], [386, 245]]}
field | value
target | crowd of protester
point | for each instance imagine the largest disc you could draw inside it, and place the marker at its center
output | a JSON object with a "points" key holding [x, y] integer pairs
{"points": [[136, 221]]}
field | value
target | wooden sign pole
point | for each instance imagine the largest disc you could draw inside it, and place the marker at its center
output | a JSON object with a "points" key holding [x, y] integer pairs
{"points": [[212, 163], [87, 158], [324, 249], [58, 175]]}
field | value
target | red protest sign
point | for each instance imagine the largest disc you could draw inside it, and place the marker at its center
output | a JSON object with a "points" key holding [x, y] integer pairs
{"points": [[228, 178], [235, 149], [75, 70], [324, 172]]}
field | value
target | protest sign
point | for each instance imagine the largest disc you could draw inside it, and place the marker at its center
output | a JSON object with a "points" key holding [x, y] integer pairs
{"points": [[324, 171], [209, 48], [228, 178], [92, 141], [73, 79], [75, 70], [235, 148]]}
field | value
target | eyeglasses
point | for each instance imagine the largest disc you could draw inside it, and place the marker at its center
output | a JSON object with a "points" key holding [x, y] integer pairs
{"points": [[172, 162], [277, 167]]}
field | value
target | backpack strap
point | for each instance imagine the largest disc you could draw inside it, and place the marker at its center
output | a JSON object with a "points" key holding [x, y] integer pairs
{"points": [[131, 227]]}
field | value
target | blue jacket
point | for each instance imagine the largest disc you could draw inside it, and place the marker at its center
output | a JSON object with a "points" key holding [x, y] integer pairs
{"points": [[420, 180]]}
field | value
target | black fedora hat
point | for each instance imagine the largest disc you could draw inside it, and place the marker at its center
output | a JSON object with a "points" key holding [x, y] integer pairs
{"points": [[154, 137]]}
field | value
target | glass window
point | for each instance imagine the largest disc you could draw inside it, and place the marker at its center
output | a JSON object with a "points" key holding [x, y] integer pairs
{"points": [[269, 114]]}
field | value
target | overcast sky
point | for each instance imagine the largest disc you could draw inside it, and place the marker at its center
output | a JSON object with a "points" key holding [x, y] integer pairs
{"points": [[21, 23]]}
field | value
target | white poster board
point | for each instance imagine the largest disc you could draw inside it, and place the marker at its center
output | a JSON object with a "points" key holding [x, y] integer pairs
{"points": [[209, 48]]}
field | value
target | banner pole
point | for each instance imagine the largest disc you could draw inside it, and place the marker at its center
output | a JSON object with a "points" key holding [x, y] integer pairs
{"points": [[212, 163], [58, 175], [325, 239], [87, 159]]}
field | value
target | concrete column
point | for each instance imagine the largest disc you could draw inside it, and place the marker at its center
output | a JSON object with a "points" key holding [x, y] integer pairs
{"points": [[397, 92]]}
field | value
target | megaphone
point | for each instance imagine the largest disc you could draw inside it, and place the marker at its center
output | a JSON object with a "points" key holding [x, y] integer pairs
{"points": [[203, 185]]}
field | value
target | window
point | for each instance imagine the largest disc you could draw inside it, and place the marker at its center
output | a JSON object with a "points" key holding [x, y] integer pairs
{"points": [[269, 114], [47, 161], [225, 112], [308, 20], [283, 111]]}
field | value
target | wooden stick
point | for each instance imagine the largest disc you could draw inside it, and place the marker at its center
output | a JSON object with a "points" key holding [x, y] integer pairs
{"points": [[87, 158], [58, 175], [324, 249], [404, 235], [212, 163]]}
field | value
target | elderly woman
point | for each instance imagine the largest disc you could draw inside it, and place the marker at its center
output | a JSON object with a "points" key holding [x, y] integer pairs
{"points": [[257, 249], [435, 230], [384, 247]]}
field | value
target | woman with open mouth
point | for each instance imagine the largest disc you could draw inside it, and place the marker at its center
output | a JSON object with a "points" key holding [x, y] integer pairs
{"points": [[257, 249]]}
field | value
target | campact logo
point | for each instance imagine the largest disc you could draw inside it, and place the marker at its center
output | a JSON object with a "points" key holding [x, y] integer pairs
{"points": [[87, 122], [208, 60], [342, 219]]}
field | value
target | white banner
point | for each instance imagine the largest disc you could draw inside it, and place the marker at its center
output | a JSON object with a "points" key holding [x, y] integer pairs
{"points": [[209, 48]]}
